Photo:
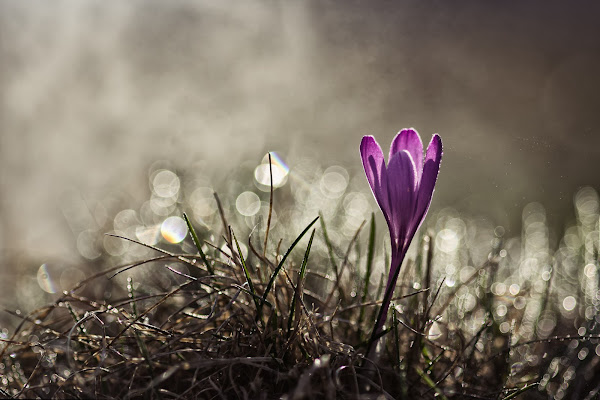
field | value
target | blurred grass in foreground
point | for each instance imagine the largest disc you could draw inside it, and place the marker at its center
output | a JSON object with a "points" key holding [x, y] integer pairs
{"points": [[231, 313]]}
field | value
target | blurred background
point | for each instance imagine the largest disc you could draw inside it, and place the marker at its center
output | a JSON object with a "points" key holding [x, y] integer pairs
{"points": [[97, 99]]}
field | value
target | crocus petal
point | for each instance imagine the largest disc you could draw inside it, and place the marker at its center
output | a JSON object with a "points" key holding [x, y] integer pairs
{"points": [[433, 159], [374, 165], [401, 180], [409, 140]]}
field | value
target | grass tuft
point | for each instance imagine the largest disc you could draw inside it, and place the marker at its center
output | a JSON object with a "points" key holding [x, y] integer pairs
{"points": [[467, 321]]}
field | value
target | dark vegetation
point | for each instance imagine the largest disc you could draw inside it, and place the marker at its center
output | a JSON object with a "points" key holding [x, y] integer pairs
{"points": [[482, 318]]}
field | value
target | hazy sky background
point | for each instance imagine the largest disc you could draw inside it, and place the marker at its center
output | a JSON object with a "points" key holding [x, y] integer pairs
{"points": [[93, 92]]}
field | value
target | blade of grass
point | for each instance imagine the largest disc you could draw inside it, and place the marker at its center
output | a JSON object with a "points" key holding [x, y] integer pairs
{"points": [[287, 253], [298, 291], [396, 337], [179, 257], [270, 207], [369, 270], [430, 383], [337, 286], [223, 220], [197, 243], [255, 297], [520, 391], [329, 245], [141, 344]]}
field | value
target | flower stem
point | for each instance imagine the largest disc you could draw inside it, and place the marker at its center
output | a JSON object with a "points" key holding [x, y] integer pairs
{"points": [[385, 305]]}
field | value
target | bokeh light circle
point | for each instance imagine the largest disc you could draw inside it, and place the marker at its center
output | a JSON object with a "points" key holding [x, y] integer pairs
{"points": [[165, 183], [334, 182], [262, 173], [45, 279], [203, 202], [174, 229], [569, 303], [247, 203]]}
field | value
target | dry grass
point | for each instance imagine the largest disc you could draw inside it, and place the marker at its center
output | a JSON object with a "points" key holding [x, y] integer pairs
{"points": [[274, 325]]}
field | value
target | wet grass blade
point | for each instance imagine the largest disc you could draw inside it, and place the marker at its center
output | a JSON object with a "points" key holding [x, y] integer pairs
{"points": [[329, 245], [395, 323], [430, 383], [367, 278], [140, 342], [285, 256], [300, 280], [520, 391], [270, 207], [197, 243], [256, 298]]}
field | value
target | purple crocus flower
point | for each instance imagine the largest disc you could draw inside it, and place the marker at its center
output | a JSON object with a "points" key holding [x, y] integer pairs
{"points": [[403, 190]]}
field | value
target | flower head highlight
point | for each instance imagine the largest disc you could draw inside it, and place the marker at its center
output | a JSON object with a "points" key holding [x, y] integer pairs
{"points": [[403, 190]]}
